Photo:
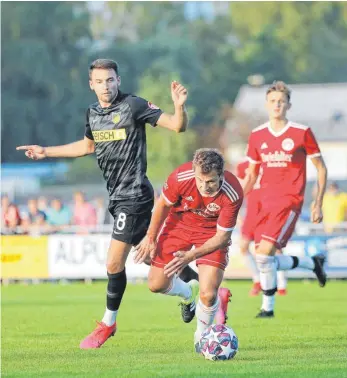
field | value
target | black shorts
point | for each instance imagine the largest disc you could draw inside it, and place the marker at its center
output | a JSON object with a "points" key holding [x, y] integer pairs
{"points": [[131, 219]]}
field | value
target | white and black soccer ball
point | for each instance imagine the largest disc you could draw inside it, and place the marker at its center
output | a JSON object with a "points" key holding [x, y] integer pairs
{"points": [[218, 342]]}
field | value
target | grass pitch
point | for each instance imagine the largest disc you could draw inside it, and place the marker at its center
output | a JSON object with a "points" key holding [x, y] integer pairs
{"points": [[42, 326]]}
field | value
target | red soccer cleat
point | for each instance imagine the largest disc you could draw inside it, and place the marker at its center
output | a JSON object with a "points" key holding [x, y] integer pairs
{"points": [[282, 291], [99, 336], [224, 297], [256, 289]]}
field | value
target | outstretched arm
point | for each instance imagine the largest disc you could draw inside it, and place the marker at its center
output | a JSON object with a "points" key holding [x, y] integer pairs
{"points": [[76, 149]]}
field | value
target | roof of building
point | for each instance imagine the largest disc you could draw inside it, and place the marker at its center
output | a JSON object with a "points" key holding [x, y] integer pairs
{"points": [[323, 107]]}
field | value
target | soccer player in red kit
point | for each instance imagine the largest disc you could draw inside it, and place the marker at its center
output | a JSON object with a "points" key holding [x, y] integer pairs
{"points": [[280, 147], [253, 205], [198, 207]]}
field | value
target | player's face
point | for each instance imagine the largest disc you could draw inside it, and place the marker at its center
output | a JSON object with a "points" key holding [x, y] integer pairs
{"points": [[277, 105], [105, 84], [208, 184]]}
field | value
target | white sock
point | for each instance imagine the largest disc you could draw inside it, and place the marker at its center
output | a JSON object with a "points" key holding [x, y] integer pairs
{"points": [[285, 262], [204, 316], [268, 302], [179, 288], [268, 279], [252, 266], [109, 317], [281, 280]]}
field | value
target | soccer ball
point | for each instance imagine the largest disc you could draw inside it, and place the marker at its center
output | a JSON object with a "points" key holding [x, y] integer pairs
{"points": [[218, 342]]}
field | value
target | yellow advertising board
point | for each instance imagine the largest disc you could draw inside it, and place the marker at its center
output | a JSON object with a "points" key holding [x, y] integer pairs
{"points": [[24, 256]]}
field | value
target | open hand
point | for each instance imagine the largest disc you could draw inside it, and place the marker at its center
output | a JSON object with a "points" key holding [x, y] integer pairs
{"points": [[147, 247], [179, 93], [181, 260]]}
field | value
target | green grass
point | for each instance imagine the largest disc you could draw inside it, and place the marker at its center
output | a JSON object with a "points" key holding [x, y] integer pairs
{"points": [[42, 326]]}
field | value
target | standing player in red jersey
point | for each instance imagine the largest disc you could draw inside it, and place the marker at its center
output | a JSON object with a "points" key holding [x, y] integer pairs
{"points": [[198, 207], [253, 206], [280, 148]]}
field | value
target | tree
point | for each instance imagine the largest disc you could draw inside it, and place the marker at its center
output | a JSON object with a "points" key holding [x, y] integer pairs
{"points": [[44, 72], [307, 40]]}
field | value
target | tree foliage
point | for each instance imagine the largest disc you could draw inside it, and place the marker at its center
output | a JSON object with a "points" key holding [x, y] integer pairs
{"points": [[47, 46]]}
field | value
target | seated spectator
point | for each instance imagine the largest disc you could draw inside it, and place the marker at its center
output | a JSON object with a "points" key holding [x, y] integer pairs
{"points": [[58, 215], [334, 208], [36, 216], [42, 204], [10, 216], [84, 214]]}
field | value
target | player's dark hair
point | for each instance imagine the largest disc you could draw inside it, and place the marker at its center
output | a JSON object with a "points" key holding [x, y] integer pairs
{"points": [[106, 64], [209, 159], [279, 86]]}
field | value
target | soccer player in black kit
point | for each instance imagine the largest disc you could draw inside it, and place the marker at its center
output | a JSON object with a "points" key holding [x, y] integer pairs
{"points": [[115, 131]]}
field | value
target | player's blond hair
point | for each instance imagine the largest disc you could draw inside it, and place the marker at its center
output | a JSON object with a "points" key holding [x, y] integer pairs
{"points": [[279, 86], [209, 159]]}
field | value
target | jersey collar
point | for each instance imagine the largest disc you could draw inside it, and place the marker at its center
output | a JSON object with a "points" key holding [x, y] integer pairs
{"points": [[278, 133]]}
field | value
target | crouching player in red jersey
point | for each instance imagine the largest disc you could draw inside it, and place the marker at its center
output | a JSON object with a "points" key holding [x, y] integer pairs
{"points": [[253, 206], [279, 148], [198, 207]]}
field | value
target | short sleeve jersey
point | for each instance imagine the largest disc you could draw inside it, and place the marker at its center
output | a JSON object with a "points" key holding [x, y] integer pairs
{"points": [[120, 144], [197, 213], [282, 156]]}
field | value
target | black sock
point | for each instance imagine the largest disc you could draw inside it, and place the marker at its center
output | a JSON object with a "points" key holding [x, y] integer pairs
{"points": [[117, 283], [188, 274]]}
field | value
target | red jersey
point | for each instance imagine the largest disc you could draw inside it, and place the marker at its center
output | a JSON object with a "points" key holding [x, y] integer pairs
{"points": [[194, 212], [282, 156], [241, 172]]}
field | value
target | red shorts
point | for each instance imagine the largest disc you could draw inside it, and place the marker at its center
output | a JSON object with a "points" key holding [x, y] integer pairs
{"points": [[173, 239], [251, 216], [276, 223]]}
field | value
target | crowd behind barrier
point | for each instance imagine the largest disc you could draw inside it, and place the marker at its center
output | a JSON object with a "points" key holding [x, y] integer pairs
{"points": [[44, 216], [46, 239]]}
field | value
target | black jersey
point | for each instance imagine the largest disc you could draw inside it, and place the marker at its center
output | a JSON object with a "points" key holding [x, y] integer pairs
{"points": [[120, 144]]}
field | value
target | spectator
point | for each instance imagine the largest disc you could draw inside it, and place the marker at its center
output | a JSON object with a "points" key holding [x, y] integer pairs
{"points": [[10, 216], [42, 204], [102, 214], [334, 208], [84, 213], [36, 216], [58, 216], [34, 221]]}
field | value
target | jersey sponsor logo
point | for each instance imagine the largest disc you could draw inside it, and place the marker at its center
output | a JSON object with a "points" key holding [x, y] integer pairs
{"points": [[213, 207], [206, 213], [190, 198], [109, 135], [287, 144], [152, 106], [166, 186], [263, 146], [276, 159], [116, 118]]}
